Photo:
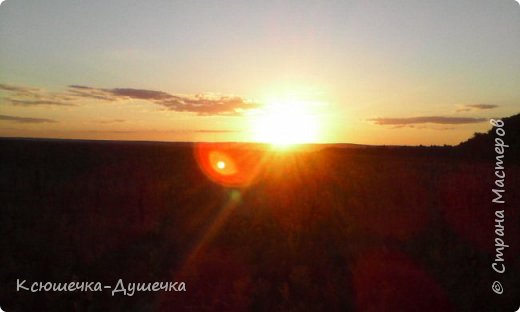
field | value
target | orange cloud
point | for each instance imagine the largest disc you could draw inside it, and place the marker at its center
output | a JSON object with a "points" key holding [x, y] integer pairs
{"points": [[25, 119], [427, 119]]}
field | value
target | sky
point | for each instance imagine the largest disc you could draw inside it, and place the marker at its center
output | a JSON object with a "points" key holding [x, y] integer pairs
{"points": [[368, 72]]}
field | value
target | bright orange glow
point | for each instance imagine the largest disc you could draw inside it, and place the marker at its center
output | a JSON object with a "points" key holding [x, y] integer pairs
{"points": [[228, 164], [222, 163], [286, 122]]}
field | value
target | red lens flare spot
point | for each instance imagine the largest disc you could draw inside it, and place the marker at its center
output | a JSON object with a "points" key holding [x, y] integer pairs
{"points": [[228, 164], [222, 163]]}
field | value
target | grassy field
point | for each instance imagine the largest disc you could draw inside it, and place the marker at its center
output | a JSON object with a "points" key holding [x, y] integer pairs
{"points": [[328, 229]]}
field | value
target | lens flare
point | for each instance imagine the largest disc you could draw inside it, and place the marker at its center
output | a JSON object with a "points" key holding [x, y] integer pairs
{"points": [[228, 164]]}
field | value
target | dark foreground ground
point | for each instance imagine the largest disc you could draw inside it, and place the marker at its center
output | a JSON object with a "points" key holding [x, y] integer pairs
{"points": [[366, 229]]}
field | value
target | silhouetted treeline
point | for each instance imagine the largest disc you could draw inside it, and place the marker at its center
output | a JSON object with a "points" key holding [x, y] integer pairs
{"points": [[481, 145]]}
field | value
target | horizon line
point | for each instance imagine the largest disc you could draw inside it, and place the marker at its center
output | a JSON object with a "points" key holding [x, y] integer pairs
{"points": [[219, 142]]}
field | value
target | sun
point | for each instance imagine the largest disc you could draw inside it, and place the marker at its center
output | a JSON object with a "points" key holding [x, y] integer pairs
{"points": [[285, 123]]}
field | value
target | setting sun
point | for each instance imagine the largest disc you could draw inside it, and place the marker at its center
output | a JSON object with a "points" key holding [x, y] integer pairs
{"points": [[285, 123]]}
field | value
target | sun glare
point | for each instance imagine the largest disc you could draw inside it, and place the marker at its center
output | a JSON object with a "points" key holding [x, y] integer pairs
{"points": [[286, 123]]}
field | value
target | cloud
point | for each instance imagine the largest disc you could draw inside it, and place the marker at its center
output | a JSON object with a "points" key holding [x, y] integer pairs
{"points": [[17, 89], [422, 127], [25, 119], [470, 107], [140, 94], [155, 131], [201, 104], [28, 96], [111, 121], [208, 104], [37, 102], [92, 93], [426, 120], [118, 93]]}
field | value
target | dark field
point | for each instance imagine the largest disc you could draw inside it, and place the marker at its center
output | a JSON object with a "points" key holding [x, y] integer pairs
{"points": [[336, 229]]}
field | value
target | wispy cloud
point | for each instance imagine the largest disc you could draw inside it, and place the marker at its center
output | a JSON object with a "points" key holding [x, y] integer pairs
{"points": [[201, 104], [18, 89], [139, 93], [420, 127], [90, 93], [426, 120], [214, 131], [471, 107], [111, 121], [28, 96], [25, 119], [17, 102]]}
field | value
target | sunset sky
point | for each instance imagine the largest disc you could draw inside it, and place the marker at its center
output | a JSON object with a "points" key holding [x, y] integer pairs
{"points": [[369, 72]]}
